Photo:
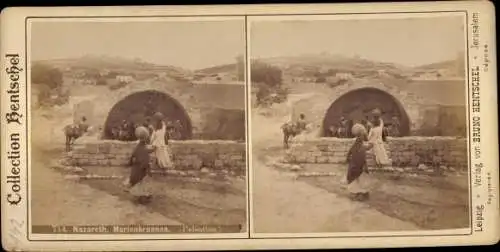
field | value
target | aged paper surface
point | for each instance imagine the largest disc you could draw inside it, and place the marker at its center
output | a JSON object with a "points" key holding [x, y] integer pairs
{"points": [[249, 127]]}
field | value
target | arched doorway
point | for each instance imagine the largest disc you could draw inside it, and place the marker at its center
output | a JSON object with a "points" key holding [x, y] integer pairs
{"points": [[356, 106], [137, 107]]}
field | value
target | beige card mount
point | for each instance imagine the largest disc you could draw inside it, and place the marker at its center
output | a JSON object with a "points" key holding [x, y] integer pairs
{"points": [[249, 126]]}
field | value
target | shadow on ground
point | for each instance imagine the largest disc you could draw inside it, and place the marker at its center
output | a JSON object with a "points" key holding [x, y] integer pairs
{"points": [[429, 202], [187, 200]]}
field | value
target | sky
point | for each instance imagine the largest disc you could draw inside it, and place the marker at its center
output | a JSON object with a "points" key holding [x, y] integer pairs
{"points": [[410, 41], [187, 44]]}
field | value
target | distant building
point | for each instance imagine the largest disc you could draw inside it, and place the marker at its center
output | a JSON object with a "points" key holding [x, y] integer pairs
{"points": [[343, 76], [89, 82], [104, 72], [124, 78], [382, 72], [303, 79]]}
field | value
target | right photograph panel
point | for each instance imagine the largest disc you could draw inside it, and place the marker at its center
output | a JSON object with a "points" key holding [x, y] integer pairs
{"points": [[359, 124]]}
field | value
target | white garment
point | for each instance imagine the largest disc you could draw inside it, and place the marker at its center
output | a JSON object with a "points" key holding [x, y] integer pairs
{"points": [[357, 186], [375, 138], [143, 188], [162, 151]]}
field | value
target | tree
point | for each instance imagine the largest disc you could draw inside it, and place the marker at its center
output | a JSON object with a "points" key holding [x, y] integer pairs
{"points": [[101, 82], [240, 67], [331, 72], [46, 75], [49, 81], [113, 74], [92, 73], [269, 75], [320, 79], [269, 83]]}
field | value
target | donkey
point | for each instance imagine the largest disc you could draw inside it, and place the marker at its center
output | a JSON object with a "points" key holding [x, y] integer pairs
{"points": [[290, 130], [73, 132]]}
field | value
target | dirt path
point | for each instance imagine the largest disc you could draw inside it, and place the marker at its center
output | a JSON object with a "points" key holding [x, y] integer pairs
{"points": [[56, 200], [190, 200], [283, 204], [429, 202]]}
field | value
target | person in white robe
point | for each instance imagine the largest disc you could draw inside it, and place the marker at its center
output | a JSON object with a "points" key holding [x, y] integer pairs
{"points": [[375, 137], [159, 141]]}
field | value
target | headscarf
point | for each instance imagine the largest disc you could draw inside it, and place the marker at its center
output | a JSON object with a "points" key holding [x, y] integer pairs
{"points": [[358, 130], [158, 116], [376, 112], [142, 133]]}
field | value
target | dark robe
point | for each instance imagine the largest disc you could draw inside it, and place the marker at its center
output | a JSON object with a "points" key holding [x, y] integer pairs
{"points": [[385, 133], [356, 158], [140, 163], [395, 129]]}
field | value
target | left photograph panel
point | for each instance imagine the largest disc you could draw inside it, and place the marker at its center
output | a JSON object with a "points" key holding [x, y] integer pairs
{"points": [[137, 125]]}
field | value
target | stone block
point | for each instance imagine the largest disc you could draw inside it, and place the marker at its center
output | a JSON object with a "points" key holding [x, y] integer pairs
{"points": [[322, 160], [301, 158], [116, 163], [311, 159], [316, 154], [236, 157], [197, 163], [322, 147], [104, 148], [339, 154], [336, 160]]}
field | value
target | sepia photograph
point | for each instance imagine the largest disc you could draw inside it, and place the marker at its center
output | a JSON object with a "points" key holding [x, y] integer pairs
{"points": [[138, 122], [240, 127], [359, 124]]}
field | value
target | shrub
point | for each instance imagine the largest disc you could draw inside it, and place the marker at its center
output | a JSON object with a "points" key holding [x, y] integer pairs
{"points": [[337, 82], [240, 67], [320, 79], [46, 75], [49, 81], [269, 84], [101, 82]]}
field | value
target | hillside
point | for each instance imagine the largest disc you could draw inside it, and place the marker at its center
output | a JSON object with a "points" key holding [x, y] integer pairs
{"points": [[221, 74], [454, 68], [227, 68], [313, 66], [319, 63], [438, 65], [109, 63]]}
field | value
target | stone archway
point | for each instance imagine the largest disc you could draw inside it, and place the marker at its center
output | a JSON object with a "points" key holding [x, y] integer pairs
{"points": [[356, 104], [138, 106]]}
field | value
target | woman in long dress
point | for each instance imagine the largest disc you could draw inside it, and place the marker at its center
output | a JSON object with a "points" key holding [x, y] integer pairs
{"points": [[375, 137], [159, 141], [356, 159], [140, 182]]}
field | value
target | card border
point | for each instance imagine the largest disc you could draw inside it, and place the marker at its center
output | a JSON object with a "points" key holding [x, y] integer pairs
{"points": [[247, 130]]}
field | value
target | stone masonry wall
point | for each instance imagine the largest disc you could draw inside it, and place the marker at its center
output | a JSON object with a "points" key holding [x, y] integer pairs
{"points": [[316, 106], [197, 100], [186, 155], [404, 151]]}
